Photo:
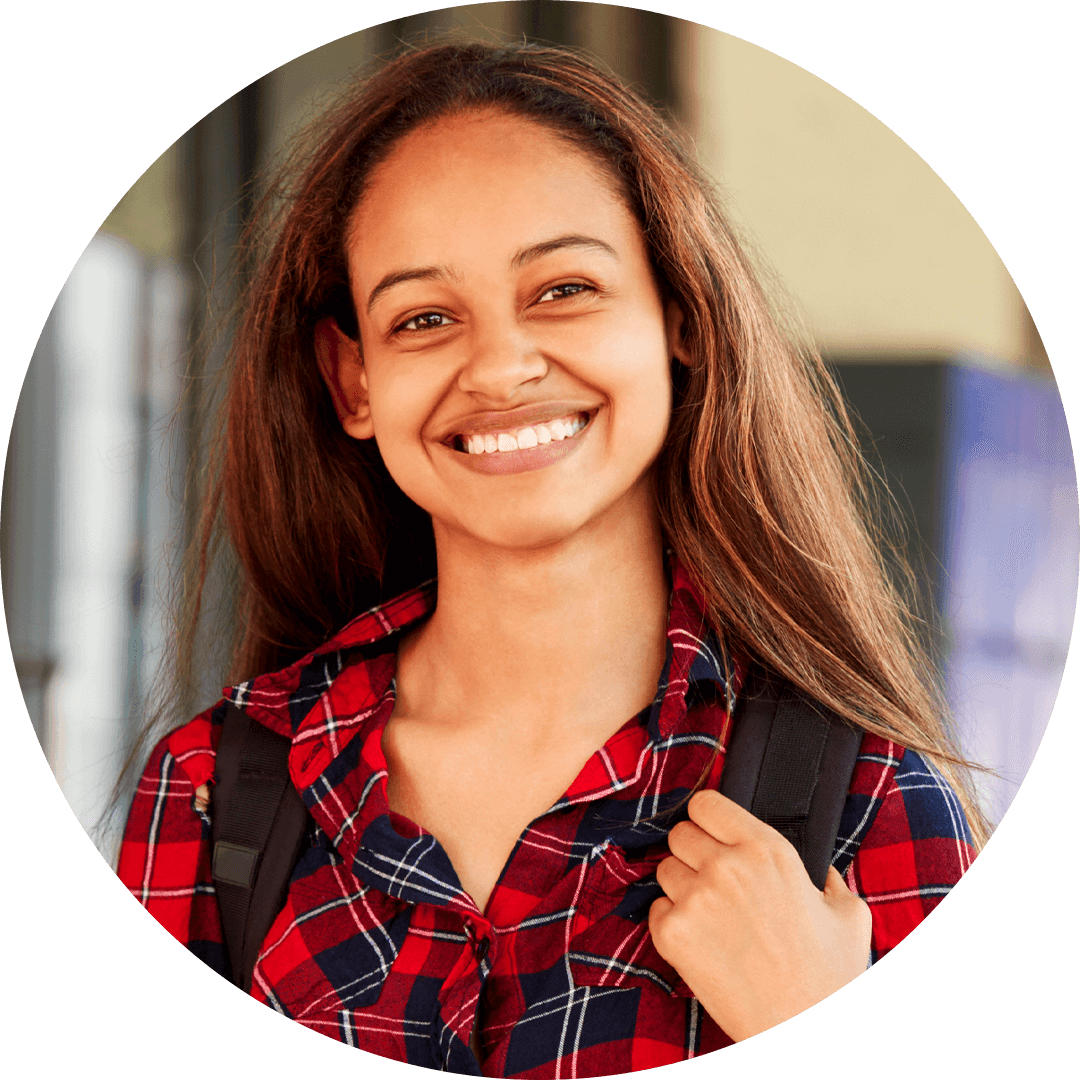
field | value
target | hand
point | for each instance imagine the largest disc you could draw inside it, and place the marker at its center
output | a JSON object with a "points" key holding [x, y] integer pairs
{"points": [[743, 924]]}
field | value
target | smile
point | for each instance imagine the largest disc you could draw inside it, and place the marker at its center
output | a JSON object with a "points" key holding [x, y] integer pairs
{"points": [[495, 445], [525, 438]]}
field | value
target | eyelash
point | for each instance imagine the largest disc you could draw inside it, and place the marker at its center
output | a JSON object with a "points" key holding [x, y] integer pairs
{"points": [[576, 287]]}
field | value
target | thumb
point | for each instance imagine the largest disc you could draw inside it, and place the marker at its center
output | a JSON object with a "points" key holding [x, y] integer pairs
{"points": [[852, 909], [836, 889]]}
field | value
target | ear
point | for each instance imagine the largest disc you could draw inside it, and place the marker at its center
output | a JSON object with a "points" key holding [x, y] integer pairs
{"points": [[675, 327], [343, 371]]}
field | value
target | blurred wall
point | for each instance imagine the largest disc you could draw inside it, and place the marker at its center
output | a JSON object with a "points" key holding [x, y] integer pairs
{"points": [[854, 234], [876, 252]]}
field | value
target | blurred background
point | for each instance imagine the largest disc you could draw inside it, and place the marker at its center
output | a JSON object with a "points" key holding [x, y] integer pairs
{"points": [[852, 231]]}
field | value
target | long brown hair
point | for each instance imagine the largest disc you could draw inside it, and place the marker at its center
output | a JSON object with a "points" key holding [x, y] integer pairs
{"points": [[762, 492]]}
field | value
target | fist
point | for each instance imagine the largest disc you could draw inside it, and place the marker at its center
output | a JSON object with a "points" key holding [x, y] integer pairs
{"points": [[744, 926]]}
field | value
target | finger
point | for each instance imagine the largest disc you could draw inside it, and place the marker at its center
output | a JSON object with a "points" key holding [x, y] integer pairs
{"points": [[692, 844], [675, 877], [835, 886], [850, 905], [658, 909], [838, 894], [722, 819]]}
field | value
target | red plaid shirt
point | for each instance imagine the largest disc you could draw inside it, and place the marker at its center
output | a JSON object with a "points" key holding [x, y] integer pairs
{"points": [[378, 945]]}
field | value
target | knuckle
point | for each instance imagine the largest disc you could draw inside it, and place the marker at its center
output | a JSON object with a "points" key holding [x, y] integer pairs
{"points": [[701, 798], [681, 831]]}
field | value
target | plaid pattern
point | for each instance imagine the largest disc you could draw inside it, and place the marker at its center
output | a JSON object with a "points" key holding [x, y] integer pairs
{"points": [[378, 945]]}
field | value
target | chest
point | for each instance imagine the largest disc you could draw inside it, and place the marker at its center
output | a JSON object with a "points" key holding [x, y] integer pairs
{"points": [[476, 791]]}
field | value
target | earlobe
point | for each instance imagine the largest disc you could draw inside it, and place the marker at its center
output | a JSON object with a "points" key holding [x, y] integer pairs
{"points": [[675, 325], [343, 371]]}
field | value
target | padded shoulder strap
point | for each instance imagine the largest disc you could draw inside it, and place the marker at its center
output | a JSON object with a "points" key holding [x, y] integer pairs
{"points": [[259, 822], [789, 763]]}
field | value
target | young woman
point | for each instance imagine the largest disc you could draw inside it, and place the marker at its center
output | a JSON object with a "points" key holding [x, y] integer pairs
{"points": [[503, 339]]}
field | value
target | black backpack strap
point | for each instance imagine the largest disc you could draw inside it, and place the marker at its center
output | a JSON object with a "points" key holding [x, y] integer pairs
{"points": [[789, 763], [259, 823]]}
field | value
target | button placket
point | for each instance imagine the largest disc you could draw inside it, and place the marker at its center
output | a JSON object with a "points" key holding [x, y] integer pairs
{"points": [[479, 935]]}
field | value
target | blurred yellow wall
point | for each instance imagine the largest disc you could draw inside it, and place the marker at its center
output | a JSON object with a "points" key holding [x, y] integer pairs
{"points": [[867, 244], [874, 249]]}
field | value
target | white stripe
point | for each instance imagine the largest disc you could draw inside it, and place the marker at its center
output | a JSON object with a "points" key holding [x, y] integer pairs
{"points": [[596, 992], [155, 824], [566, 958], [606, 759], [629, 963], [438, 935], [539, 920], [952, 803], [566, 849], [627, 969], [330, 722], [172, 894], [318, 731], [908, 894], [577, 1037], [885, 774], [350, 818]]}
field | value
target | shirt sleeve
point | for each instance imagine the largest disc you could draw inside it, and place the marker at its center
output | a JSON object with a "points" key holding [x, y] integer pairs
{"points": [[904, 840], [165, 857]]}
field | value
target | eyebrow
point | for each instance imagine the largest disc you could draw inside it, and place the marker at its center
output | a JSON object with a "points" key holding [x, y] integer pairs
{"points": [[546, 247], [522, 258]]}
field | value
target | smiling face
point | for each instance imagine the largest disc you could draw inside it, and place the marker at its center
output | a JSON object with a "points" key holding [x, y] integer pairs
{"points": [[516, 347]]}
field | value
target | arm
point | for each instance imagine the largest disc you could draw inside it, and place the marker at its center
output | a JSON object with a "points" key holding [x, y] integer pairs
{"points": [[165, 856], [916, 847], [752, 937]]}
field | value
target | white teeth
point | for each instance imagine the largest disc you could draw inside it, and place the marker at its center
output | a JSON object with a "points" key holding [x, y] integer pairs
{"points": [[526, 438]]}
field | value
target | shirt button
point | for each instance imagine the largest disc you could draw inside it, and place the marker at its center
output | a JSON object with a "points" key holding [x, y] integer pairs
{"points": [[482, 947]]}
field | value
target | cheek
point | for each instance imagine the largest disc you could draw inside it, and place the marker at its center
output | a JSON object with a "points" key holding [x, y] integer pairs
{"points": [[640, 387], [398, 412]]}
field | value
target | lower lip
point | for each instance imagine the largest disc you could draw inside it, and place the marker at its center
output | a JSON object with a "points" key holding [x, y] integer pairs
{"points": [[516, 461]]}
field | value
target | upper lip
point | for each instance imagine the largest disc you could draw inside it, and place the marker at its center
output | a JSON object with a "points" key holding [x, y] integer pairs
{"points": [[509, 420]]}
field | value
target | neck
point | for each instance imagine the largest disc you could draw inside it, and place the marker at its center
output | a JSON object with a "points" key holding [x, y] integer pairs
{"points": [[573, 632]]}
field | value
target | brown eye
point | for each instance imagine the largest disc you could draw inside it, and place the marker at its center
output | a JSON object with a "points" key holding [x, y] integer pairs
{"points": [[429, 320], [560, 292]]}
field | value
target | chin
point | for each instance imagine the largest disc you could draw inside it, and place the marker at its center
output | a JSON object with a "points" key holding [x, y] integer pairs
{"points": [[529, 531]]}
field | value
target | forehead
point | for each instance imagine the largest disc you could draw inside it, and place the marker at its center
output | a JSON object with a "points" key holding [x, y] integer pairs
{"points": [[484, 172]]}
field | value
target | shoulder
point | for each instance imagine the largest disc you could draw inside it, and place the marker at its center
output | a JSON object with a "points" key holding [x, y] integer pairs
{"points": [[165, 856], [365, 650], [185, 756], [164, 819], [896, 796], [904, 840]]}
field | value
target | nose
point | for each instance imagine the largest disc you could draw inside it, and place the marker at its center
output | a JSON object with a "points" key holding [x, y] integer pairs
{"points": [[501, 359]]}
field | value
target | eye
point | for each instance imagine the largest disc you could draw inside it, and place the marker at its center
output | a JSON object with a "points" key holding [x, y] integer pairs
{"points": [[426, 320], [562, 292]]}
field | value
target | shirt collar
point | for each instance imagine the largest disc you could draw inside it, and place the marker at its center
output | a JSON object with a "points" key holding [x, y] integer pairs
{"points": [[281, 700], [335, 702]]}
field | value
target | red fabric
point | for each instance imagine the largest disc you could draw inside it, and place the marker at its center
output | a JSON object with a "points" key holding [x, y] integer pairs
{"points": [[379, 946]]}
